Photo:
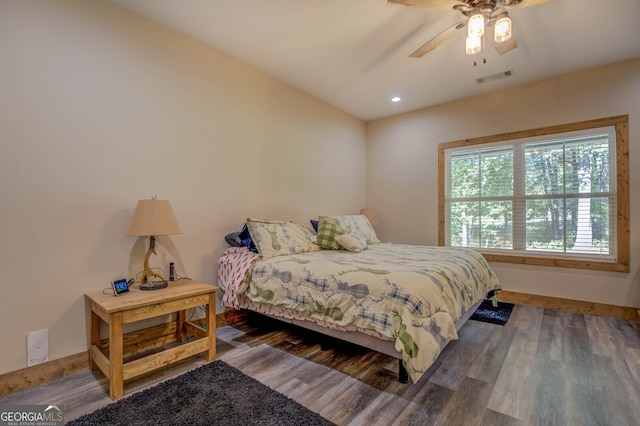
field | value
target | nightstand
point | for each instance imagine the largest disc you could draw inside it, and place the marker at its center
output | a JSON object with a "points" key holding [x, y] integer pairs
{"points": [[139, 305]]}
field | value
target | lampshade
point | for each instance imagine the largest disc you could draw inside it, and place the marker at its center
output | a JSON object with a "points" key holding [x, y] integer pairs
{"points": [[153, 217], [502, 31], [371, 215]]}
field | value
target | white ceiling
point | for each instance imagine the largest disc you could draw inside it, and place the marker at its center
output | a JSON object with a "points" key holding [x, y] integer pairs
{"points": [[353, 54]]}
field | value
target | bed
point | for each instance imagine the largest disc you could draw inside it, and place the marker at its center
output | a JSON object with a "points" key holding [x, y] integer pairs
{"points": [[406, 301]]}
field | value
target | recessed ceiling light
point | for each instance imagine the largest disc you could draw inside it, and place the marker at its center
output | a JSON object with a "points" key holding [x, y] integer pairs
{"points": [[396, 99]]}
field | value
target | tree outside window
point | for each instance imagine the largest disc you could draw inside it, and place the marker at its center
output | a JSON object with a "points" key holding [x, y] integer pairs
{"points": [[554, 196]]}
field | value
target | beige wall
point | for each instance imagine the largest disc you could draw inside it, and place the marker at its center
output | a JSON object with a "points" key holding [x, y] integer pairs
{"points": [[100, 108], [402, 168]]}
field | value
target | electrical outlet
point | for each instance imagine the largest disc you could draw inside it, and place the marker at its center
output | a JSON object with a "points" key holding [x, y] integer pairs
{"points": [[37, 347]]}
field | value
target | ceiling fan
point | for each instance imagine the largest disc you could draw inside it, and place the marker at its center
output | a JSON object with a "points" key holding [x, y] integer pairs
{"points": [[480, 15]]}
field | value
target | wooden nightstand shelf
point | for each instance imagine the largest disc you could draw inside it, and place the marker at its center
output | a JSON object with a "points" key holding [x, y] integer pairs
{"points": [[139, 305]]}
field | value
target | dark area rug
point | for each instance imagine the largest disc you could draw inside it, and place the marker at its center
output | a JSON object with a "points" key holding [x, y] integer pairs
{"points": [[214, 394], [486, 312]]}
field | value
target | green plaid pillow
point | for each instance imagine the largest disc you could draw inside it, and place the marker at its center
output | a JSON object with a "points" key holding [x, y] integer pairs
{"points": [[327, 232], [331, 226]]}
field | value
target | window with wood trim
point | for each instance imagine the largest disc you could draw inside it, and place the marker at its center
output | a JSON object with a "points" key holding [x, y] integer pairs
{"points": [[555, 196]]}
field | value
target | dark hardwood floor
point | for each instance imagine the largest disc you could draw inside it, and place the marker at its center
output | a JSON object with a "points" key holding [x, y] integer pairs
{"points": [[545, 367]]}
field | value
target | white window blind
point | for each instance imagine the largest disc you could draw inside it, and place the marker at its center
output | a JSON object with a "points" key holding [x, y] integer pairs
{"points": [[554, 195]]}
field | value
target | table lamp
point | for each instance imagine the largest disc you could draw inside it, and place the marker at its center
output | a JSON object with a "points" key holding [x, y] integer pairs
{"points": [[371, 215], [152, 217]]}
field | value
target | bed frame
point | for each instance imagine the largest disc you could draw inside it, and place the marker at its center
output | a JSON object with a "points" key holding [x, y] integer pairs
{"points": [[386, 347]]}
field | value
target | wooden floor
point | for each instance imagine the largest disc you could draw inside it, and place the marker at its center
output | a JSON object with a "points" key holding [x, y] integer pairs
{"points": [[545, 366]]}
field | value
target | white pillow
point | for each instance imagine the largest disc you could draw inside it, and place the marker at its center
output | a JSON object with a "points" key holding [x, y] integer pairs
{"points": [[352, 242], [276, 238]]}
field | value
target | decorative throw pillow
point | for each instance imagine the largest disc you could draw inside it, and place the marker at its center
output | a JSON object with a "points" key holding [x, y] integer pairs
{"points": [[246, 240], [327, 233], [352, 242], [331, 226], [233, 239], [276, 238]]}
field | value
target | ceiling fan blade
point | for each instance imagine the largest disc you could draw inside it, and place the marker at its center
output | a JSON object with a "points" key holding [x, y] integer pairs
{"points": [[505, 46], [519, 4], [430, 4], [438, 40]]}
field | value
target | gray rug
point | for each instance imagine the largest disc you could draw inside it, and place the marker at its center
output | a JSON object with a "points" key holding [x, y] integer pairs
{"points": [[214, 394]]}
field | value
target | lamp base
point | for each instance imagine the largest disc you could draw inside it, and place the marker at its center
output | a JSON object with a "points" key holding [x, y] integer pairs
{"points": [[153, 285]]}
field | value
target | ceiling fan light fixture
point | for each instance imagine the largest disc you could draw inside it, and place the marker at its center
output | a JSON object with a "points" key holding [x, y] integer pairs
{"points": [[474, 44], [476, 26], [502, 31]]}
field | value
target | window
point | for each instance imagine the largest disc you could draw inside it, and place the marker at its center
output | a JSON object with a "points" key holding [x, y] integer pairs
{"points": [[556, 196]]}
